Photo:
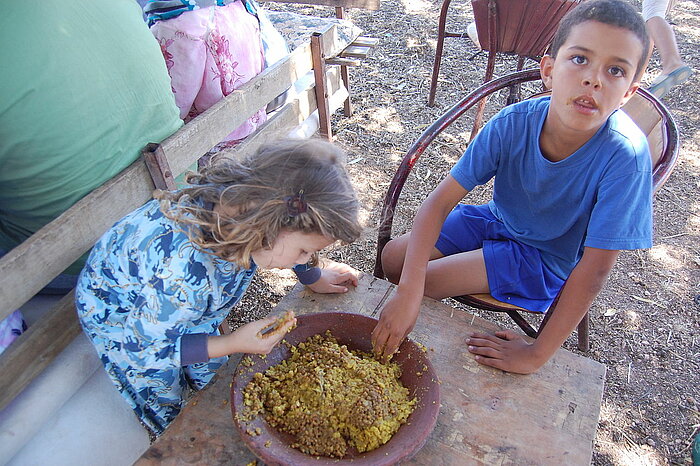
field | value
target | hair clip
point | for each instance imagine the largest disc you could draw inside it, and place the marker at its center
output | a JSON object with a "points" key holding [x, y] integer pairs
{"points": [[296, 204]]}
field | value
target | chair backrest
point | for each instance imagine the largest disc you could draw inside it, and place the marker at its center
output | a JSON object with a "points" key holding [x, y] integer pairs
{"points": [[656, 122], [522, 27], [646, 110]]}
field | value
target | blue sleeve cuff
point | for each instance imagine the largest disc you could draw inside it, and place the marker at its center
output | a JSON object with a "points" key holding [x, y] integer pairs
{"points": [[307, 275], [193, 348]]}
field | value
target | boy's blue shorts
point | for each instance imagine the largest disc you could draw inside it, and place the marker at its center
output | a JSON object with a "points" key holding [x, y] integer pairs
{"points": [[515, 271]]}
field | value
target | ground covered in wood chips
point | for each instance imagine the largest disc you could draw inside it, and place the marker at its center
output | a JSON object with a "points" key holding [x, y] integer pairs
{"points": [[645, 324]]}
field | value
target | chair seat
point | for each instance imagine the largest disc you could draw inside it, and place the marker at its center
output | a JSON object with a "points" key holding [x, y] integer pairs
{"points": [[488, 303], [486, 300]]}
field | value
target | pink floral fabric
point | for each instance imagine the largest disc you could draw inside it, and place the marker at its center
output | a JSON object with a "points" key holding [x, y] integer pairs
{"points": [[209, 53]]}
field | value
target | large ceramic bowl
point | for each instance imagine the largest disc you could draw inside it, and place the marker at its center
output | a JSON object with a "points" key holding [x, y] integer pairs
{"points": [[353, 330]]}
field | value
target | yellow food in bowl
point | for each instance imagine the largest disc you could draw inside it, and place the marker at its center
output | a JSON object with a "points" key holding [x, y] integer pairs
{"points": [[331, 398]]}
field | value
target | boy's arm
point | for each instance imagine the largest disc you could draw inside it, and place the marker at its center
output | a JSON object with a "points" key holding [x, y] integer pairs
{"points": [[508, 351], [401, 311]]}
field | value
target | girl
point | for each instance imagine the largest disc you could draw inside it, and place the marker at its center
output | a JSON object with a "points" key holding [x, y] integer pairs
{"points": [[158, 283]]}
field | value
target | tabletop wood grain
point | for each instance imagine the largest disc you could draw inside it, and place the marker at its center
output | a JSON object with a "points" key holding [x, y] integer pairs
{"points": [[486, 416]]}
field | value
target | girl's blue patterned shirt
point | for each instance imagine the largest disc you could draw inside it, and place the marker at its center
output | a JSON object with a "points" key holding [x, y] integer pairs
{"points": [[145, 285]]}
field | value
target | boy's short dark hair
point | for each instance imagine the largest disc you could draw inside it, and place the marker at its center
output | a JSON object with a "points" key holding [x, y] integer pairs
{"points": [[616, 13]]}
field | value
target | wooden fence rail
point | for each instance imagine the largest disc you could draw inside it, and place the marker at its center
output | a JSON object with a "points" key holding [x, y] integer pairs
{"points": [[27, 268]]}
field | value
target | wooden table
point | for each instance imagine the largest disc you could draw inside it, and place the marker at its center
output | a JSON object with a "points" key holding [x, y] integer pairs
{"points": [[486, 416]]}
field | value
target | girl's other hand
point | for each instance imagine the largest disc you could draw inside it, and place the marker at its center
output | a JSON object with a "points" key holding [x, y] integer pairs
{"points": [[335, 278], [248, 339]]}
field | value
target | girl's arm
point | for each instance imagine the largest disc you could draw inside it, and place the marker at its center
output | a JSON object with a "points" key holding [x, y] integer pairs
{"points": [[331, 277], [334, 277], [508, 351], [401, 311]]}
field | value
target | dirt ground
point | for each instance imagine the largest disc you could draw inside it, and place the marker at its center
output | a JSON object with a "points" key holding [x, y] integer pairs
{"points": [[644, 325]]}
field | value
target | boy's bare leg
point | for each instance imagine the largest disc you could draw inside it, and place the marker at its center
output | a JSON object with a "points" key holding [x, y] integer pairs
{"points": [[455, 275]]}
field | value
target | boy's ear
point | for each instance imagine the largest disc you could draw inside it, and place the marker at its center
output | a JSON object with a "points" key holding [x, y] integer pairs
{"points": [[630, 92], [546, 67]]}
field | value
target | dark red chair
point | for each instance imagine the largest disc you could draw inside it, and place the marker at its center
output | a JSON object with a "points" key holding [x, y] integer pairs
{"points": [[523, 28], [645, 109]]}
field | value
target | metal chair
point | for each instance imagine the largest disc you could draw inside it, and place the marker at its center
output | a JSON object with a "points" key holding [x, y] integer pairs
{"points": [[518, 27], [647, 111]]}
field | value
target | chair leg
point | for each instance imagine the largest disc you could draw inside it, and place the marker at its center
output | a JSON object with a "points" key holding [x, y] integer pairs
{"points": [[522, 323], [224, 328], [547, 315], [583, 342], [438, 52], [490, 66], [583, 327], [514, 90]]}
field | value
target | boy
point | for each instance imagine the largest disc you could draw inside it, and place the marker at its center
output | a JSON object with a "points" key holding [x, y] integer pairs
{"points": [[572, 187]]}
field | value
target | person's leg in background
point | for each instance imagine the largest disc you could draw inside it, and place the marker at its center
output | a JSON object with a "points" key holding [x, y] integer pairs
{"points": [[673, 70]]}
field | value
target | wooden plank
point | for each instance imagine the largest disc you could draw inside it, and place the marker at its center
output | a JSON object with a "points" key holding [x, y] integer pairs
{"points": [[366, 4], [355, 51], [27, 268], [29, 355], [493, 417], [318, 56], [291, 114], [158, 167], [486, 417], [343, 61], [365, 41]]}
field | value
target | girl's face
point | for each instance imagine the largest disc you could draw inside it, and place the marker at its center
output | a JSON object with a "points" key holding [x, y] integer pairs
{"points": [[290, 249]]}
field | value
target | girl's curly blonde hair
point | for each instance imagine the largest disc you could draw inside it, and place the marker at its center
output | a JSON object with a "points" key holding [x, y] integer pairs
{"points": [[252, 198]]}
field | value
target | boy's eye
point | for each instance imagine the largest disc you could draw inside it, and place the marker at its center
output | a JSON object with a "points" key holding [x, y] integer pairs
{"points": [[579, 59], [617, 71]]}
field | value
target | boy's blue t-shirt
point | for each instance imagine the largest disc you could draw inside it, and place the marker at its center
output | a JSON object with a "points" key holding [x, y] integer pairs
{"points": [[600, 196]]}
